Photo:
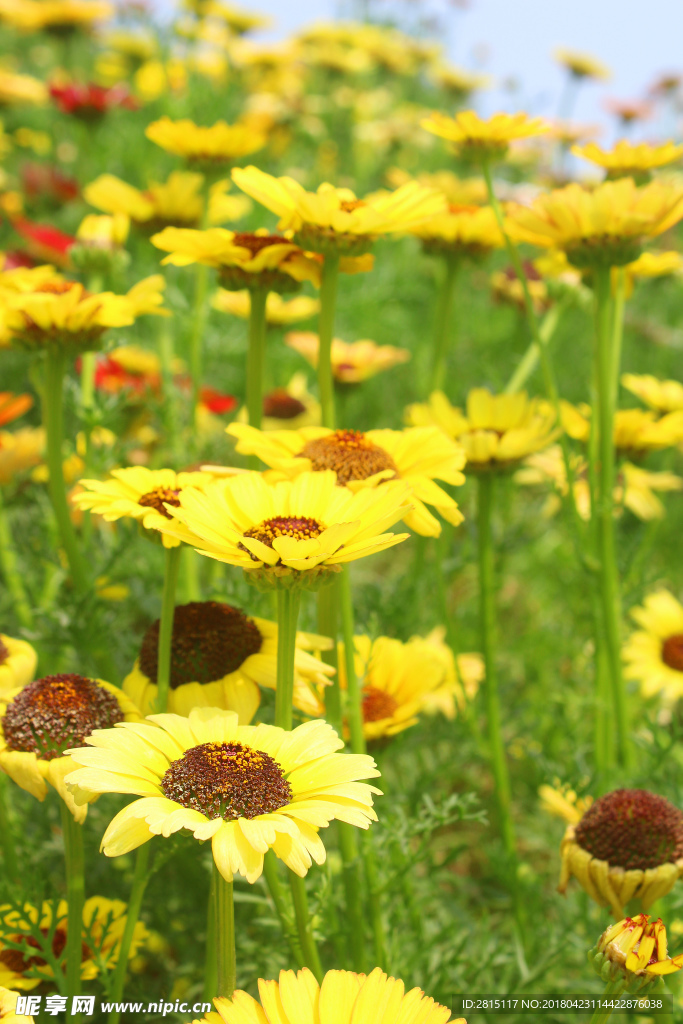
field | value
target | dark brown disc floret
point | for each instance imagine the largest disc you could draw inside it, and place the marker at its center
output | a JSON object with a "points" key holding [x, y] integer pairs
{"points": [[4, 653], [672, 652], [227, 780], [350, 454], [632, 829], [377, 704], [255, 243], [299, 527], [57, 712], [280, 405], [158, 497], [210, 640]]}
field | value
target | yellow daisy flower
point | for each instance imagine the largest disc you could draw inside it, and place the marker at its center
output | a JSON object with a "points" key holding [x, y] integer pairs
{"points": [[462, 676], [628, 844], [247, 788], [39, 722], [138, 493], [458, 83], [458, 191], [477, 139], [238, 19], [605, 226], [648, 264], [636, 431], [61, 16], [292, 533], [506, 288], [104, 920], [343, 998], [243, 259], [219, 658], [496, 431], [18, 662], [20, 450], [637, 946], [8, 1006], [661, 395], [582, 65], [352, 362], [17, 89], [470, 232], [418, 456], [279, 312], [218, 144], [653, 654], [627, 159], [334, 219]]}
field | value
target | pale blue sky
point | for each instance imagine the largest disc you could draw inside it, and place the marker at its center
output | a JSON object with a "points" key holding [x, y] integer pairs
{"points": [[638, 39]]}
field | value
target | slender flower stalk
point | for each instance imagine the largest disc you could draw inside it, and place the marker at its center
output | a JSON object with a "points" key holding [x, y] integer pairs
{"points": [[225, 934], [10, 571], [9, 854], [140, 878], [608, 345], [173, 556], [88, 366], [529, 360], [443, 320], [284, 913], [211, 953], [169, 411], [328, 606], [328, 302], [256, 355], [75, 894]]}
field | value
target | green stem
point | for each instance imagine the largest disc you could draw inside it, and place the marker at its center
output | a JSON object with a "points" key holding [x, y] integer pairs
{"points": [[487, 597], [137, 891], [169, 409], [53, 400], [75, 894], [607, 368], [9, 854], [13, 578], [600, 1015], [354, 707], [211, 952], [166, 626], [288, 602], [256, 355], [529, 360], [353, 892], [328, 302], [303, 924], [270, 872], [225, 935], [328, 606], [379, 945], [442, 322]]}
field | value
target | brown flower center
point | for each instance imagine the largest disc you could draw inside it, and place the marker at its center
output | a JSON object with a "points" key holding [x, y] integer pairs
{"points": [[672, 652], [227, 780], [377, 704], [156, 498], [57, 712], [632, 828], [350, 454], [18, 962], [210, 640], [299, 527], [4, 653], [254, 243], [280, 405]]}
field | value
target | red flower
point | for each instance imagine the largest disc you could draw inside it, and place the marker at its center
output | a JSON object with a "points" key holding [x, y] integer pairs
{"points": [[45, 242], [41, 181], [90, 101], [111, 377], [217, 401], [17, 258]]}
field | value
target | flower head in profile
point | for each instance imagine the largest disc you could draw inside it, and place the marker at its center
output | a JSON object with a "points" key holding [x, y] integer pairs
{"points": [[478, 140], [636, 431], [334, 220], [352, 362], [603, 227], [24, 929], [248, 788], [219, 658], [417, 456], [88, 101], [138, 493], [243, 259], [470, 232], [634, 951], [653, 654], [279, 312], [343, 998], [628, 844], [662, 396], [285, 408], [211, 147], [18, 662], [59, 17], [42, 720], [496, 431], [582, 65], [627, 159], [294, 533]]}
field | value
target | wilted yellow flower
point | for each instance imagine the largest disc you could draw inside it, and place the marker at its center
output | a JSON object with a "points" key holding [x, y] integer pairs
{"points": [[334, 219], [496, 431], [243, 259], [18, 662], [627, 159], [628, 844], [606, 226], [582, 65], [653, 654], [661, 395], [279, 311], [218, 144], [352, 362], [418, 456], [479, 140], [636, 951], [470, 232], [16, 89]]}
